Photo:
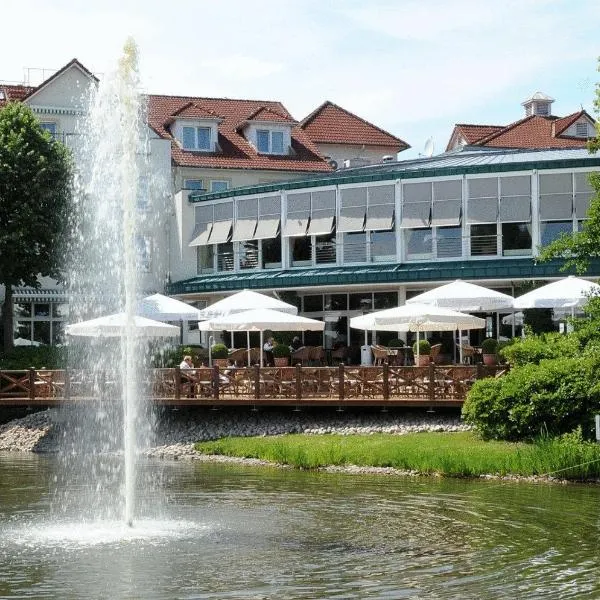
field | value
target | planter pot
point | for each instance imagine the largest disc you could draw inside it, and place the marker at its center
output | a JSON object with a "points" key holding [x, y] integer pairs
{"points": [[222, 363], [490, 359], [282, 361], [422, 360]]}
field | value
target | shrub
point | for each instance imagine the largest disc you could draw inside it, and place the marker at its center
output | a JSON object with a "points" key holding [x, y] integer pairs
{"points": [[172, 356], [489, 346], [281, 351], [219, 351], [554, 397], [536, 348], [424, 347], [24, 357], [396, 343]]}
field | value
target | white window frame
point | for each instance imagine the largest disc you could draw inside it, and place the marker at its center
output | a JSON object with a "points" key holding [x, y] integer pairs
{"points": [[269, 131], [186, 187], [219, 181]]}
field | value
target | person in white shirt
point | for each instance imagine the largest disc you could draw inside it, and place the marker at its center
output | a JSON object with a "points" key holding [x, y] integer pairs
{"points": [[268, 352]]}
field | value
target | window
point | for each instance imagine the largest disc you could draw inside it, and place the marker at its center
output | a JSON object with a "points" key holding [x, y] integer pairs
{"points": [[143, 247], [581, 129], [41, 322], [206, 259], [249, 254], [193, 184], [516, 239], [197, 138], [448, 241], [552, 230], [271, 253], [301, 251], [51, 128], [269, 142], [418, 243], [484, 240], [383, 246], [219, 186], [313, 303], [225, 257], [325, 248], [355, 247]]}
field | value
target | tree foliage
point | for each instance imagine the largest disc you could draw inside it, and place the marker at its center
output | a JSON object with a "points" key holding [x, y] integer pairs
{"points": [[35, 189]]}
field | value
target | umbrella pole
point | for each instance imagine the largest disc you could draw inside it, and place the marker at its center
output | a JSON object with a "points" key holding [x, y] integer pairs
{"points": [[231, 340], [417, 363], [261, 347], [181, 331], [455, 345], [513, 324], [460, 348], [248, 345]]}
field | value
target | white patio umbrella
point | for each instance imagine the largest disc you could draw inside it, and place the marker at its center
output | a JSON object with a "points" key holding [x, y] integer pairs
{"points": [[464, 296], [246, 300], [240, 302], [261, 319], [568, 293], [116, 325], [164, 308], [421, 317]]}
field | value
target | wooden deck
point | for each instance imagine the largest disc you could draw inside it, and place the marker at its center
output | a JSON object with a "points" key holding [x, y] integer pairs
{"points": [[383, 386]]}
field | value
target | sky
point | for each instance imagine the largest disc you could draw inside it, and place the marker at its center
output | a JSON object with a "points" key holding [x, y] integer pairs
{"points": [[411, 67]]}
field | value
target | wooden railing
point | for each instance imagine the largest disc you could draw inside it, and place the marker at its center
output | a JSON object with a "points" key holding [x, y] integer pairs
{"points": [[434, 385]]}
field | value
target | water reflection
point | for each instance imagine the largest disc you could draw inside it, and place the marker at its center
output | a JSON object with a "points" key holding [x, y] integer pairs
{"points": [[233, 532]]}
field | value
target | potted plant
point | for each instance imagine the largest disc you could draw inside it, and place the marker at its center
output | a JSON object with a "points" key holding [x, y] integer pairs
{"points": [[424, 348], [220, 353], [281, 354], [489, 349]]}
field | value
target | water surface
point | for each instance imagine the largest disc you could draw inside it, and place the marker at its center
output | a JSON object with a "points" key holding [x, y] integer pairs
{"points": [[223, 532]]}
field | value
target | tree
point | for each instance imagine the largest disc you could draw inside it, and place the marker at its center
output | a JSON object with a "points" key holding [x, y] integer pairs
{"points": [[35, 192], [576, 249]]}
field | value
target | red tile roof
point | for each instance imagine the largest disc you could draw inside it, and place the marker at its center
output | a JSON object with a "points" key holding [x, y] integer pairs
{"points": [[331, 124], [236, 152], [472, 133], [534, 131], [13, 93], [195, 111], [264, 113]]}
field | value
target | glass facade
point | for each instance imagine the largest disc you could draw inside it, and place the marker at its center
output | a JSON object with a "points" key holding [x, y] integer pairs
{"points": [[39, 323]]}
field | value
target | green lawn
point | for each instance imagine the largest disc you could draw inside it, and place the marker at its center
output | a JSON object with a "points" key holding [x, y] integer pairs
{"points": [[450, 454]]}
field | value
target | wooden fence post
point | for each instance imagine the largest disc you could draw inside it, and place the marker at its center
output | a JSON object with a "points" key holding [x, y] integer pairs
{"points": [[177, 384], [32, 384], [298, 382], [256, 381], [431, 381], [67, 392], [216, 377], [386, 381], [341, 382]]}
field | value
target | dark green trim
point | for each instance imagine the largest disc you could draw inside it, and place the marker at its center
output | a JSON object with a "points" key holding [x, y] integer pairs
{"points": [[393, 172], [522, 268]]}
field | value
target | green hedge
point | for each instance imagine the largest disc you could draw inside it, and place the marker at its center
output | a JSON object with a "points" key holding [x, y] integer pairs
{"points": [[536, 348], [552, 397], [24, 357]]}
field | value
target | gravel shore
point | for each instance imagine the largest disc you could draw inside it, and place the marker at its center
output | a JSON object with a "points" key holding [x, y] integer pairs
{"points": [[176, 431]]}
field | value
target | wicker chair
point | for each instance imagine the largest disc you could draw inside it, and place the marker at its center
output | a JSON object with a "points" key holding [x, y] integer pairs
{"points": [[239, 356], [339, 354], [317, 355], [380, 355], [435, 350], [468, 354], [302, 355]]}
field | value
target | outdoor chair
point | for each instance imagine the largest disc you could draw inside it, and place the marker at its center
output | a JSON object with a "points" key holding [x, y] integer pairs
{"points": [[434, 352], [339, 354], [468, 354], [239, 356], [301, 356], [317, 355], [380, 355]]}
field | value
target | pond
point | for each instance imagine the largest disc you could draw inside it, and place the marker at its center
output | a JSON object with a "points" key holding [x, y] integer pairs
{"points": [[220, 531]]}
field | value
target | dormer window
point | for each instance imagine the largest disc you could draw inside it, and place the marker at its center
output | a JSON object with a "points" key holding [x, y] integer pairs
{"points": [[581, 129], [269, 142], [197, 138]]}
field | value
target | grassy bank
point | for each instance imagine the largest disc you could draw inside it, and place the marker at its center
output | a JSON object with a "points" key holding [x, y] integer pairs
{"points": [[450, 454]]}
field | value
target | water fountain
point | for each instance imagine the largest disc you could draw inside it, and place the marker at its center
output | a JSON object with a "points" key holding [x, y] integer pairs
{"points": [[104, 278]]}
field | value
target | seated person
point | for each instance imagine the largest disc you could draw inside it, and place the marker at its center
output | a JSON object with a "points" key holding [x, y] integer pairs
{"points": [[187, 365], [268, 352], [296, 344]]}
